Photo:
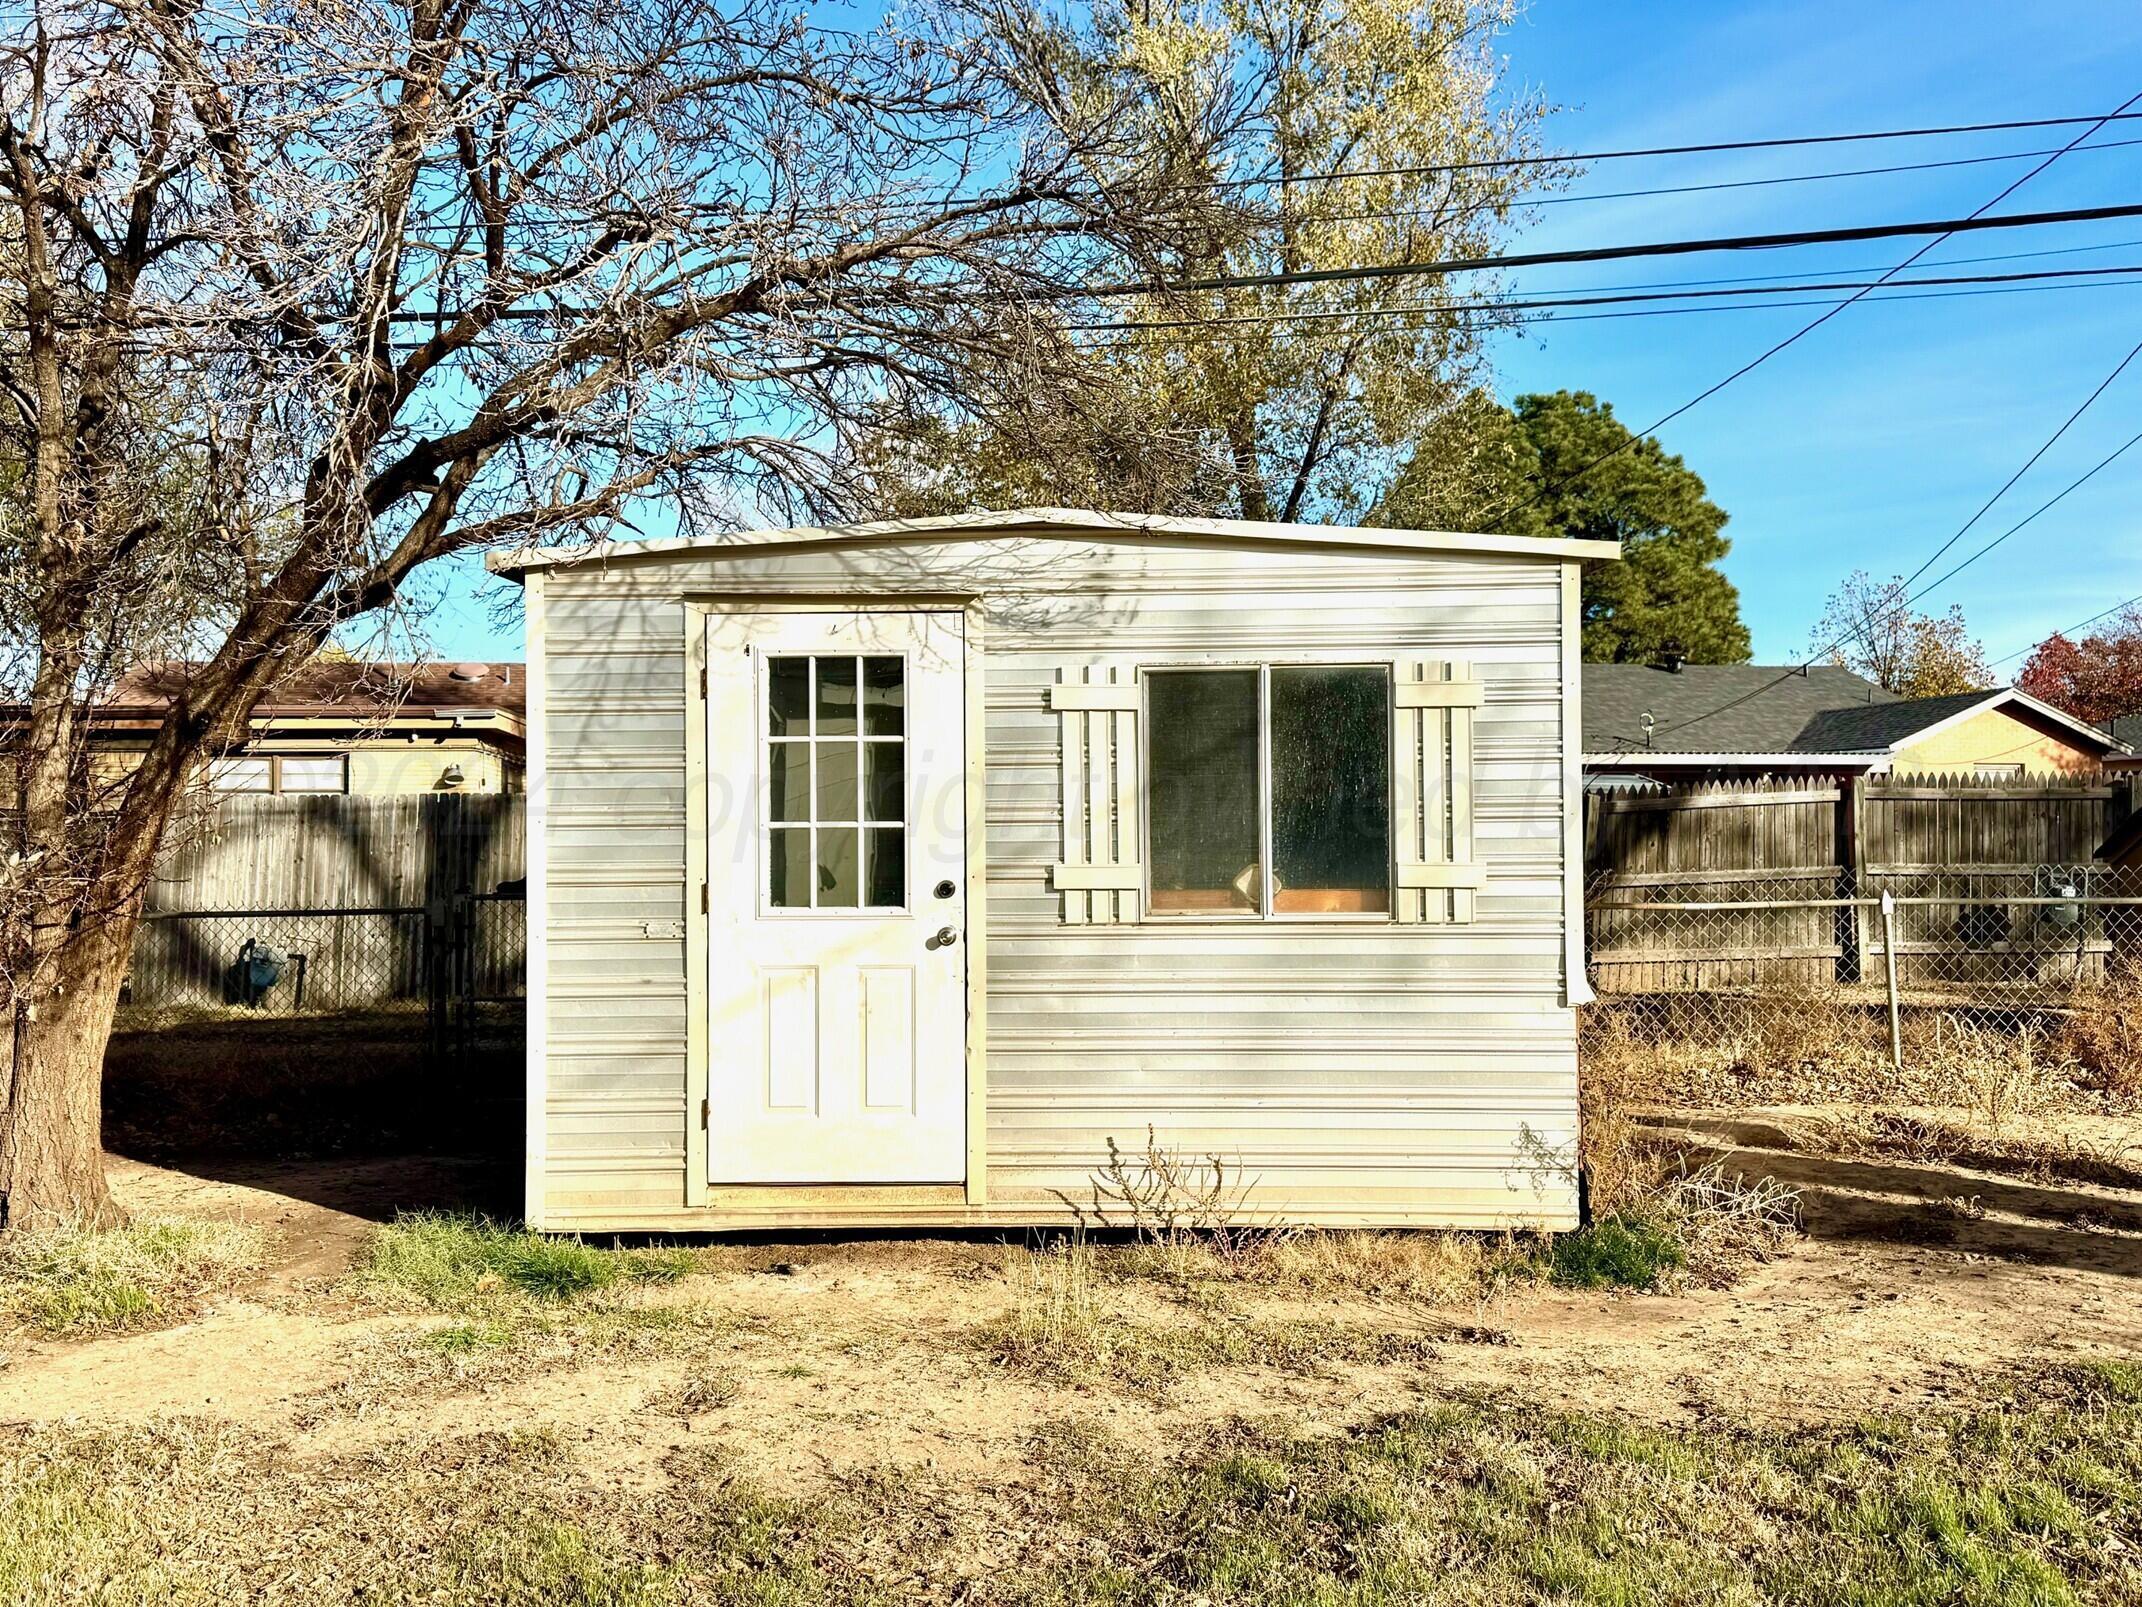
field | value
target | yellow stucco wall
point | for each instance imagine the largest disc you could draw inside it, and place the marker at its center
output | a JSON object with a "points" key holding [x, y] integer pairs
{"points": [[1996, 737]]}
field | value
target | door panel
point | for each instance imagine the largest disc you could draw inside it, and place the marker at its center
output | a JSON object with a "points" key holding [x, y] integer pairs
{"points": [[837, 973]]}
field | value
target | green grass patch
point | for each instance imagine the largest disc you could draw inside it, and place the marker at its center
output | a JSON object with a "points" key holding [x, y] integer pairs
{"points": [[2035, 1499], [463, 1263], [1617, 1252], [83, 1281]]}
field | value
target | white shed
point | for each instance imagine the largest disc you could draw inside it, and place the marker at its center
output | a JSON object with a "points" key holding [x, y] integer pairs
{"points": [[879, 875]]}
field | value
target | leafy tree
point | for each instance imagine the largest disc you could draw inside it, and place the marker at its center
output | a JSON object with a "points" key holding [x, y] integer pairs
{"points": [[1264, 401], [1870, 627], [2098, 679], [1517, 471]]}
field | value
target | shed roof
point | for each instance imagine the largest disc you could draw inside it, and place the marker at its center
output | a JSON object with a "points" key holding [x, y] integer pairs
{"points": [[1070, 522]]}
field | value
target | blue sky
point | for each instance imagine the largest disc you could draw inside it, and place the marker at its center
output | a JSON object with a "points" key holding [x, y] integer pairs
{"points": [[1868, 443]]}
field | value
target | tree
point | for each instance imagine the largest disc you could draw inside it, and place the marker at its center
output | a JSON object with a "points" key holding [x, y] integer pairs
{"points": [[1523, 471], [2098, 679], [1256, 399], [1870, 627], [300, 299]]}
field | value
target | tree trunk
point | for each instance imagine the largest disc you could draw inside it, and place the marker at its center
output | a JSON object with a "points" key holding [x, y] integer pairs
{"points": [[51, 1128]]}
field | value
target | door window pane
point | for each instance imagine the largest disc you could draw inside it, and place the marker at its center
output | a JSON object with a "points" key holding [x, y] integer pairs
{"points": [[789, 871], [884, 697], [839, 873], [1331, 790], [884, 774], [886, 880], [836, 697], [788, 767], [836, 780], [788, 697], [1203, 790]]}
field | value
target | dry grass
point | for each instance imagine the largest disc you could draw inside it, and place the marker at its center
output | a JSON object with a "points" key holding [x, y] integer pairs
{"points": [[2031, 1495], [80, 1281], [2036, 1154], [1062, 1325]]}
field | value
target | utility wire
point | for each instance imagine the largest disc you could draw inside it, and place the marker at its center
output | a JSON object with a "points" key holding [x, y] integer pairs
{"points": [[1604, 298], [1941, 229], [1976, 219], [2028, 464], [1574, 157], [1723, 184], [2069, 630], [1912, 597]]}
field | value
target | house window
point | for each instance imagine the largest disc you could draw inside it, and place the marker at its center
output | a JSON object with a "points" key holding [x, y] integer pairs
{"points": [[325, 774], [836, 782], [278, 773], [2000, 772], [242, 775], [1269, 790]]}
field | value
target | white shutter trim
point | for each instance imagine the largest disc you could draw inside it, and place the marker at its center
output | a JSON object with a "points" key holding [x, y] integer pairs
{"points": [[1100, 875], [1435, 872]]}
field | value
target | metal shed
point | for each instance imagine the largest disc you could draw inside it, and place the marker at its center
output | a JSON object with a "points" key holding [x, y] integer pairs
{"points": [[881, 874]]}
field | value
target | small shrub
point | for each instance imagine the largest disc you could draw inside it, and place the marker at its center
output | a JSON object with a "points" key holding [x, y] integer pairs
{"points": [[74, 1280], [1616, 1253]]}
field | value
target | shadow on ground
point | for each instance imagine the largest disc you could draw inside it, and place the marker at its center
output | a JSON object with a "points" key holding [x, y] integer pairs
{"points": [[2048, 1221], [356, 1113]]}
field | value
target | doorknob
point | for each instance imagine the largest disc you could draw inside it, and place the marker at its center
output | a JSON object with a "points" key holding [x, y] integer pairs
{"points": [[944, 939]]}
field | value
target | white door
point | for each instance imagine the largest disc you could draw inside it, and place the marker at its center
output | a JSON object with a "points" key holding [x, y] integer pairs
{"points": [[837, 864]]}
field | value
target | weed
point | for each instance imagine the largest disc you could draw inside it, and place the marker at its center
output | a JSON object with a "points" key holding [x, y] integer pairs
{"points": [[76, 1280], [1616, 1253]]}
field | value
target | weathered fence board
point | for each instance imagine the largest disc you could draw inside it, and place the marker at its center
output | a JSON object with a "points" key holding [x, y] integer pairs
{"points": [[352, 894], [1981, 844]]}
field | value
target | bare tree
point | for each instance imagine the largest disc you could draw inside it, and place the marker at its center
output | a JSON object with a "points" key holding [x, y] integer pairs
{"points": [[300, 297], [1870, 627]]}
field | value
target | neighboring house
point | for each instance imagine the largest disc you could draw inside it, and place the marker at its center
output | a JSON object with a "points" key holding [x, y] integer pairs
{"points": [[341, 727], [1689, 722], [886, 874]]}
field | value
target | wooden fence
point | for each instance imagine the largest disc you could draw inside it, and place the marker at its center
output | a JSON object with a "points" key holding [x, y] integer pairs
{"points": [[355, 896], [1981, 845]]}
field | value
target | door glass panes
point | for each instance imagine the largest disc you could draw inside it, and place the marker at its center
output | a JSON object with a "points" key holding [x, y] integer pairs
{"points": [[1203, 790], [836, 762], [1331, 790]]}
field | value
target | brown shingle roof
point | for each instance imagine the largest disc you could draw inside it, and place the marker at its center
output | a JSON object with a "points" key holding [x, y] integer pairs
{"points": [[356, 690]]}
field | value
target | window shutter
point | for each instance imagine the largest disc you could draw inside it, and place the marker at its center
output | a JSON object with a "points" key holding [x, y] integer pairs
{"points": [[1100, 875], [1432, 707]]}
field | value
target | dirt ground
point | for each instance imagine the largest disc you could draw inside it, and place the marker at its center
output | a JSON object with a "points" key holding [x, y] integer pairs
{"points": [[1914, 1281]]}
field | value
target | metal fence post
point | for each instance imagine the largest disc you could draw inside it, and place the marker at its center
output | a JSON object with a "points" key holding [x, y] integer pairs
{"points": [[1889, 966]]}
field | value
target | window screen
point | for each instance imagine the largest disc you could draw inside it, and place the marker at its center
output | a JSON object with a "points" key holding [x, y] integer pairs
{"points": [[1331, 790], [241, 775], [1203, 795]]}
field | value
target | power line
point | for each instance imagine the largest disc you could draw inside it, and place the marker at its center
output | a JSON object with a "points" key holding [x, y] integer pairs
{"points": [[1977, 219], [2030, 462], [1573, 157], [2069, 630], [1604, 298], [1942, 228], [2073, 485], [1725, 184], [1912, 597]]}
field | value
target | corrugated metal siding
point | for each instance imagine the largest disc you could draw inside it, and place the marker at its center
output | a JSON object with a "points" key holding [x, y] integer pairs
{"points": [[1357, 1071]]}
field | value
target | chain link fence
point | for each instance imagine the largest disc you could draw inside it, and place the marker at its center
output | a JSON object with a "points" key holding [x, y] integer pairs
{"points": [[443, 962], [1922, 984]]}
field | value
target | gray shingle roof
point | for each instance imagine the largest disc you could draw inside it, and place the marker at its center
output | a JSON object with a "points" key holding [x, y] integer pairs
{"points": [[1719, 708]]}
